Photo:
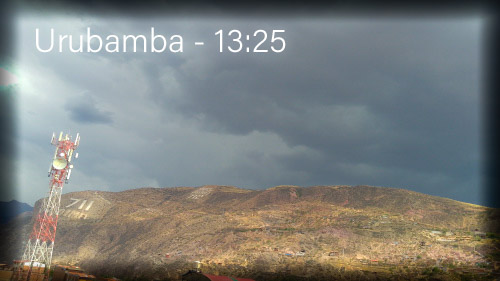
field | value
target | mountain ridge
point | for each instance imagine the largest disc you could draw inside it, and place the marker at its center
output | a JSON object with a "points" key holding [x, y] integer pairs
{"points": [[11, 209], [137, 229]]}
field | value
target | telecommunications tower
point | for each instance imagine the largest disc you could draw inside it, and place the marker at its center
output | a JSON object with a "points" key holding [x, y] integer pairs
{"points": [[40, 245]]}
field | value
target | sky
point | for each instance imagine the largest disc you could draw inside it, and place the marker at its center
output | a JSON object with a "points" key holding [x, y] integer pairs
{"points": [[392, 102]]}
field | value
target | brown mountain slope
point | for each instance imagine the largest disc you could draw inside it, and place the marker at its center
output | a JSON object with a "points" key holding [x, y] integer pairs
{"points": [[158, 228]]}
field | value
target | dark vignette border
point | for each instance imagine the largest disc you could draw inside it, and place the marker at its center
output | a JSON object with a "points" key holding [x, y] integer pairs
{"points": [[275, 8]]}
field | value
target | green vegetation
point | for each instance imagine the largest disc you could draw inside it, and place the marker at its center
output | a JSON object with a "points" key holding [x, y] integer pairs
{"points": [[492, 235]]}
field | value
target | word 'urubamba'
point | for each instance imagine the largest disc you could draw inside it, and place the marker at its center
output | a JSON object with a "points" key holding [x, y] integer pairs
{"points": [[94, 43]]}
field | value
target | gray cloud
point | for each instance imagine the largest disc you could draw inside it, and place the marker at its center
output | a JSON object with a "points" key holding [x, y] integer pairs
{"points": [[393, 95], [85, 110], [387, 102]]}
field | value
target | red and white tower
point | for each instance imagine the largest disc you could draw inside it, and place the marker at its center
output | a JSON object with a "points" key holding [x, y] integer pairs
{"points": [[38, 251]]}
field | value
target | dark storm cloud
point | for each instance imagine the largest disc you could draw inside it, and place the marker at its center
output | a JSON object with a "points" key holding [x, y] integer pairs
{"points": [[85, 110], [399, 96], [386, 102]]}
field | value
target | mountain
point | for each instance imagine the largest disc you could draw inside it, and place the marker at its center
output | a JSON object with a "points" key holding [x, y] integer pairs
{"points": [[11, 209], [162, 231]]}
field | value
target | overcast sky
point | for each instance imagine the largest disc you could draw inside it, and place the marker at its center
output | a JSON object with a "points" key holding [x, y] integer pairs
{"points": [[355, 101]]}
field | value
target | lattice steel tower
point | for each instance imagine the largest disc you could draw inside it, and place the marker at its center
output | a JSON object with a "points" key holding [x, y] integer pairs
{"points": [[38, 251]]}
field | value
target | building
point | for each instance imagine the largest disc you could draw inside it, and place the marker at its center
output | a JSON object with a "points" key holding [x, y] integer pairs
{"points": [[193, 275], [23, 270]]}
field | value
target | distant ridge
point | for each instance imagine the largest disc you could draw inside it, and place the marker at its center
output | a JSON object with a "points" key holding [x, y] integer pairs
{"points": [[11, 209], [154, 232]]}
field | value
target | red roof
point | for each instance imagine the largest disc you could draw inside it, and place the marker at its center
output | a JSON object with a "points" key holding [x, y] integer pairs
{"points": [[224, 278]]}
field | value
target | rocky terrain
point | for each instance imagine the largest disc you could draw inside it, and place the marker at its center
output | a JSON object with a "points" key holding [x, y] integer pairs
{"points": [[300, 231]]}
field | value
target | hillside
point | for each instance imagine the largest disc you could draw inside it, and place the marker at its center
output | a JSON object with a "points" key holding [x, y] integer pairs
{"points": [[11, 209], [163, 230]]}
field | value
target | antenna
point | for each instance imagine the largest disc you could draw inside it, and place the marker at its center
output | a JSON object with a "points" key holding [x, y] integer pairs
{"points": [[38, 250]]}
